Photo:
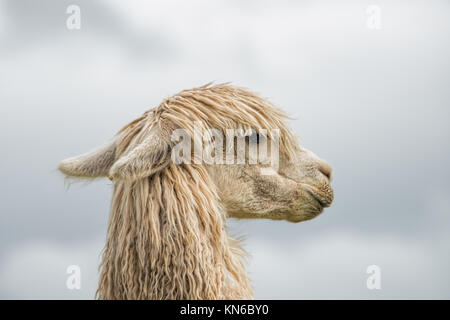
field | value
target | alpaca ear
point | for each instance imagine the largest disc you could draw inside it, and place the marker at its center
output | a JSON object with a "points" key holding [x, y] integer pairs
{"points": [[148, 157], [93, 164]]}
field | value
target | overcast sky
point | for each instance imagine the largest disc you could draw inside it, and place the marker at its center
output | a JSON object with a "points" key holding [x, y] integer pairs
{"points": [[373, 102]]}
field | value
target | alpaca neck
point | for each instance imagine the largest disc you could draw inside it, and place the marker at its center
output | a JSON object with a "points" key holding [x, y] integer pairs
{"points": [[167, 240]]}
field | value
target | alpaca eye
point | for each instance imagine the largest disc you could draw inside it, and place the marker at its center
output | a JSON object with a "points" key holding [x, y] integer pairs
{"points": [[254, 137]]}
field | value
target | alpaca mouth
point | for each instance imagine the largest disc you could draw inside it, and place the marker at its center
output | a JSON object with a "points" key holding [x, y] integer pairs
{"points": [[323, 197]]}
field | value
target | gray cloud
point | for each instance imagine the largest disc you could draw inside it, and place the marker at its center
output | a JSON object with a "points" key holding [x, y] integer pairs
{"points": [[32, 24]]}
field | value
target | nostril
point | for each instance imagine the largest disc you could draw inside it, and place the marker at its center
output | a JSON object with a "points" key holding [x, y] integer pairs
{"points": [[326, 170]]}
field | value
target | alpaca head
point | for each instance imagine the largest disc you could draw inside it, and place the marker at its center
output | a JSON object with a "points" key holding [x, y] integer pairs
{"points": [[298, 190], [296, 187]]}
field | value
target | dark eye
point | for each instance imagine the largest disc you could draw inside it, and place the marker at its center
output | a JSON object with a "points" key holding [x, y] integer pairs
{"points": [[257, 136], [254, 137]]}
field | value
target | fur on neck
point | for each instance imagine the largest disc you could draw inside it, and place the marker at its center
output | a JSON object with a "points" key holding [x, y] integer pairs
{"points": [[167, 239]]}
